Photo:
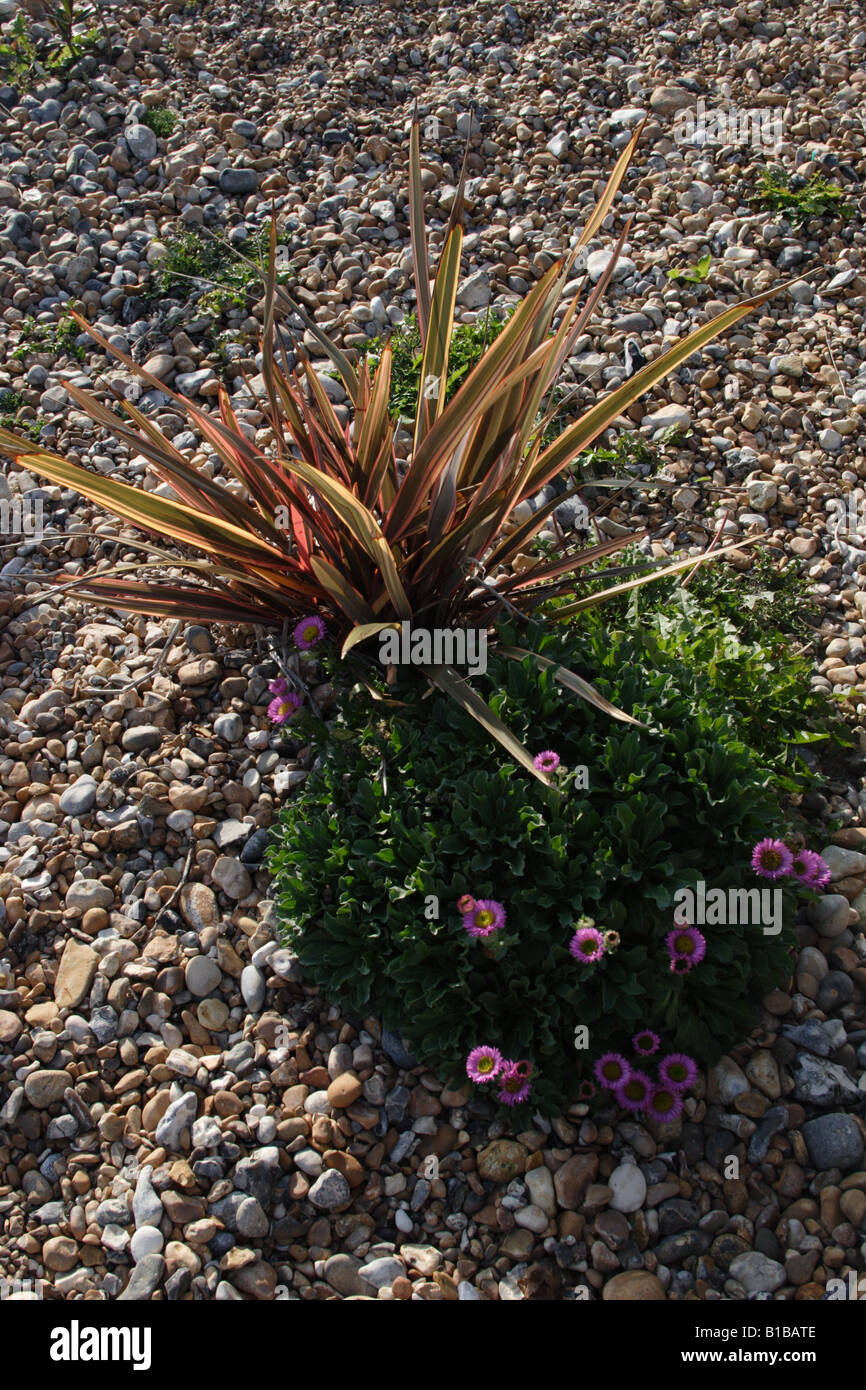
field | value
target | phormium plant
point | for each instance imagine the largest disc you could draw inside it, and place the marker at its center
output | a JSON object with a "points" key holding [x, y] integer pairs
{"points": [[327, 522]]}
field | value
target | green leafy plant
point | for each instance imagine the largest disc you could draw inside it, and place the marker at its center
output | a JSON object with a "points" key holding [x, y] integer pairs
{"points": [[161, 121], [17, 52], [767, 603], [696, 274], [800, 198], [330, 522], [12, 403], [196, 260], [469, 342], [399, 819], [57, 337]]}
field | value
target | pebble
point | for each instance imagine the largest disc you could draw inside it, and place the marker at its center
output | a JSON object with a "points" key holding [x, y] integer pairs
{"points": [[105, 809]]}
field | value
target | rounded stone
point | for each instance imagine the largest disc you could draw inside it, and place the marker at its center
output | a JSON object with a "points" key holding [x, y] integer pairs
{"points": [[834, 1141], [203, 976], [345, 1090], [147, 1240], [330, 1192], [44, 1088], [229, 727], [633, 1285], [213, 1014], [628, 1186]]}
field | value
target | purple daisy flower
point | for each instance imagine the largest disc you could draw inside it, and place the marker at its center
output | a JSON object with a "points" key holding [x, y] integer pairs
{"points": [[587, 945], [548, 761], [678, 1071], [771, 859], [483, 1064], [635, 1092], [666, 1104], [819, 871], [646, 1043], [514, 1087], [687, 942], [486, 916], [308, 632], [278, 686], [284, 706], [612, 1070]]}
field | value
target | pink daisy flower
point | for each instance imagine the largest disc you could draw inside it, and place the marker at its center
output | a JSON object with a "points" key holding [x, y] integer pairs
{"points": [[771, 859], [278, 686], [612, 1070], [514, 1087], [466, 904], [819, 871], [484, 1064], [486, 916], [548, 761], [308, 632], [678, 1071], [587, 945], [687, 942], [646, 1043], [634, 1093], [284, 706], [666, 1104]]}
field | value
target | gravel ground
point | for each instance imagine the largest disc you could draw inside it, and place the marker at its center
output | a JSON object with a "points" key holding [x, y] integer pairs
{"points": [[181, 1115]]}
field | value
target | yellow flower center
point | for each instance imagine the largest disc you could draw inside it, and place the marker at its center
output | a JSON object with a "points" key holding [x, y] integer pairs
{"points": [[685, 945], [311, 632], [664, 1101], [771, 859], [677, 1072], [485, 918], [486, 1064]]}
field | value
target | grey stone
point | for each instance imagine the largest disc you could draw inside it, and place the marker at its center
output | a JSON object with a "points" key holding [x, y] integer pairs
{"points": [[673, 1249], [229, 727], [341, 1272], [177, 1118], [79, 797], [144, 1280], [834, 1141], [828, 914], [141, 738], [141, 142], [757, 1273], [820, 1082], [474, 292], [238, 181], [330, 1192], [146, 1205], [84, 893], [253, 988], [382, 1271], [258, 1173]]}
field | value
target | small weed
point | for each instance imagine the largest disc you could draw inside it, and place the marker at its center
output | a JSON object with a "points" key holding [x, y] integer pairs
{"points": [[230, 281], [11, 405], [800, 198], [57, 338], [469, 342], [696, 275], [161, 121], [23, 60]]}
